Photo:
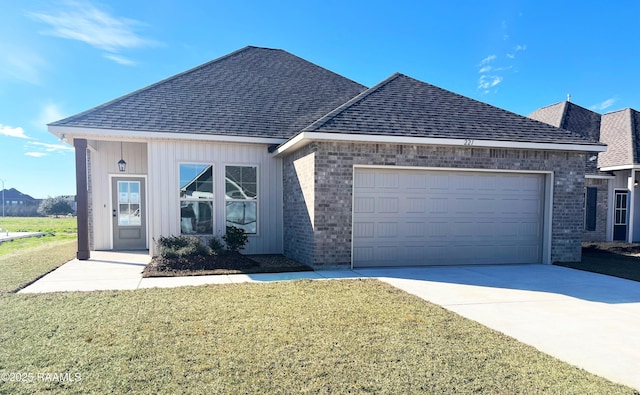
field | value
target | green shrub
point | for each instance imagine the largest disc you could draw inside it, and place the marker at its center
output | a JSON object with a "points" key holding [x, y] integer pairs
{"points": [[181, 247], [235, 238], [216, 245]]}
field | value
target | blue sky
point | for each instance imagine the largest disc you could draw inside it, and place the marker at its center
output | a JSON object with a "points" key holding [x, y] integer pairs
{"points": [[58, 58]]}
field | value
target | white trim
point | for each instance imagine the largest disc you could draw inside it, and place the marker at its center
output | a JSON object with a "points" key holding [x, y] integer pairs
{"points": [[454, 169], [599, 177], [610, 212], [133, 135], [213, 199], [304, 138], [620, 167], [257, 200], [547, 220], [146, 203]]}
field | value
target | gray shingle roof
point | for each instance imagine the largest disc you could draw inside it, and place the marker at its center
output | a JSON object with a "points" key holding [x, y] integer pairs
{"points": [[404, 106], [570, 116], [255, 92], [621, 132]]}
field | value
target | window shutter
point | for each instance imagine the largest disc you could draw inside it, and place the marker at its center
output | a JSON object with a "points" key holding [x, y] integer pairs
{"points": [[591, 208]]}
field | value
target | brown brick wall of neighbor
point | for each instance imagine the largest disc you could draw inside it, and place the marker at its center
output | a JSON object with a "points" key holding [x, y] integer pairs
{"points": [[602, 204], [329, 243]]}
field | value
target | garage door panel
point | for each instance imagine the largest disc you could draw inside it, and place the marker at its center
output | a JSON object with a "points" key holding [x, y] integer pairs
{"points": [[447, 217]]}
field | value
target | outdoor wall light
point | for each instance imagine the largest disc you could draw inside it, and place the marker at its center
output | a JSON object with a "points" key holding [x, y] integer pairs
{"points": [[122, 165]]}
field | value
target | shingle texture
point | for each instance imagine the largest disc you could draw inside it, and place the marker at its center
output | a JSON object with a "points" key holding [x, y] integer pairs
{"points": [[404, 106], [570, 116], [620, 132], [255, 92]]}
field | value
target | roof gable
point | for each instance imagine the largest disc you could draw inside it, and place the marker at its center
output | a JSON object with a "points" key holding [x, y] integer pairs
{"points": [[404, 106], [621, 132], [256, 92]]}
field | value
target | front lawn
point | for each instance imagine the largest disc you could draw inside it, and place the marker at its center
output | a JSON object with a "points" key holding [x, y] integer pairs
{"points": [[338, 336], [19, 265], [39, 224]]}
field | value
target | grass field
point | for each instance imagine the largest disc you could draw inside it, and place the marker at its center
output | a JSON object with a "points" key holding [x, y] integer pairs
{"points": [[39, 224], [320, 337], [351, 336]]}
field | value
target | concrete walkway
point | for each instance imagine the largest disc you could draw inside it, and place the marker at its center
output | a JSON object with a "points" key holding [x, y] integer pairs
{"points": [[588, 320], [9, 236]]}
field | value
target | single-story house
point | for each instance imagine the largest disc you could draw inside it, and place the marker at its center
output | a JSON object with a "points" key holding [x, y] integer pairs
{"points": [[612, 203], [325, 170]]}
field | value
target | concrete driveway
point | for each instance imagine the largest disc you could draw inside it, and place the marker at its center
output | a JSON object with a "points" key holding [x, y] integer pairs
{"points": [[588, 320]]}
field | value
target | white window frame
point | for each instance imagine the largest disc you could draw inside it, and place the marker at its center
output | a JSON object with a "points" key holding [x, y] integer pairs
{"points": [[193, 200], [256, 200]]}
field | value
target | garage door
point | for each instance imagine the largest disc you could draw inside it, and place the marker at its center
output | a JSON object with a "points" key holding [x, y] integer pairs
{"points": [[420, 217]]}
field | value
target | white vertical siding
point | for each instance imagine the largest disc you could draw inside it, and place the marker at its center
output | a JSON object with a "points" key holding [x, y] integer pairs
{"points": [[104, 162], [163, 188]]}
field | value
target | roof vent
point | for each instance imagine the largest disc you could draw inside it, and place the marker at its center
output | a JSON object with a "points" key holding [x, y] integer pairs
{"points": [[569, 97]]}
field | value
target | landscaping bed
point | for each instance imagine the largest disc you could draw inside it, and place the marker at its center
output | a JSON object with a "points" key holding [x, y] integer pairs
{"points": [[613, 259], [224, 263]]}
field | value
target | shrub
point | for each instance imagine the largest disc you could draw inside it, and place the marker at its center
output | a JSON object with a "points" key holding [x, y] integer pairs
{"points": [[216, 245], [235, 238], [181, 247]]}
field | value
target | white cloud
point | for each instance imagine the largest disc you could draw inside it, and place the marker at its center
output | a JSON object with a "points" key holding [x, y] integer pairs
{"points": [[120, 59], [519, 48], [511, 56], [12, 132], [487, 60], [488, 81], [46, 147], [485, 69], [35, 154], [49, 113], [82, 21], [603, 105], [21, 64]]}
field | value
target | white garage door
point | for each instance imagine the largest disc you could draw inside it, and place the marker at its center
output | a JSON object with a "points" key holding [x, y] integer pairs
{"points": [[420, 217]]}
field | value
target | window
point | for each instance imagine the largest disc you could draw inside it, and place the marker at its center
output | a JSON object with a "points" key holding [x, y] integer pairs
{"points": [[621, 208], [241, 195], [590, 208], [129, 203], [196, 199]]}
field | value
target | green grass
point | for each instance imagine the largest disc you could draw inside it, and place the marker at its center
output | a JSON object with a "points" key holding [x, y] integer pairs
{"points": [[343, 336], [19, 267], [39, 224]]}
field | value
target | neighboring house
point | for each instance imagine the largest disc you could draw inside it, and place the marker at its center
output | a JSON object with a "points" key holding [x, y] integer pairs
{"points": [[19, 204], [612, 205], [324, 170]]}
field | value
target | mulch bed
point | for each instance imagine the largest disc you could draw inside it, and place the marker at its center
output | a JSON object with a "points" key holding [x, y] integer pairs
{"points": [[613, 259], [227, 263]]}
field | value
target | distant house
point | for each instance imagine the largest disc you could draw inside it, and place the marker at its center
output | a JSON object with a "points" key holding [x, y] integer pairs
{"points": [[325, 170], [17, 203], [611, 194]]}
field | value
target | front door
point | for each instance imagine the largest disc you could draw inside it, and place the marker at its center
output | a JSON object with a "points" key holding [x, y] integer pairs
{"points": [[129, 213], [620, 216]]}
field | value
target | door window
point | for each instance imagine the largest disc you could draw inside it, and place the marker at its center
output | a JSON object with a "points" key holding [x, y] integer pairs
{"points": [[129, 203], [621, 208]]}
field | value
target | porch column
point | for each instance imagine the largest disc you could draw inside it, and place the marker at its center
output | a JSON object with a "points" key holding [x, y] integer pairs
{"points": [[82, 198]]}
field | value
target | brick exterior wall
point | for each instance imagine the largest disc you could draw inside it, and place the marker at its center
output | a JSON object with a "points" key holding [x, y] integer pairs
{"points": [[329, 243], [602, 206], [299, 203]]}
